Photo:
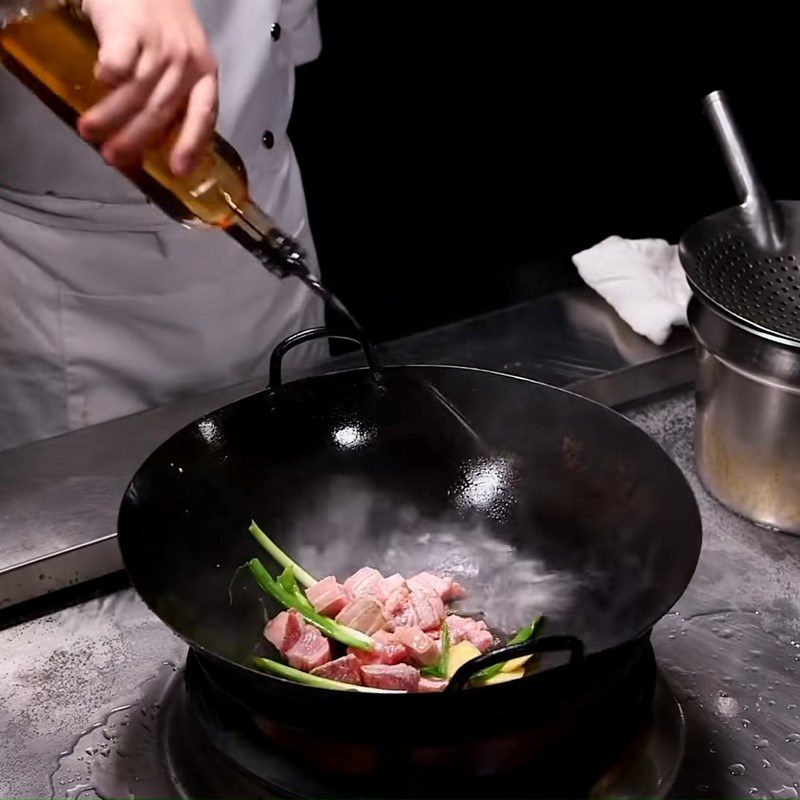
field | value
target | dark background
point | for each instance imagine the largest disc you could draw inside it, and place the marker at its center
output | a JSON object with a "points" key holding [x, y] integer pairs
{"points": [[456, 154]]}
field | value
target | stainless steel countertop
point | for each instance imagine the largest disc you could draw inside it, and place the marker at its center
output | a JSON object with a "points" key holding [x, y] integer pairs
{"points": [[729, 649], [59, 497]]}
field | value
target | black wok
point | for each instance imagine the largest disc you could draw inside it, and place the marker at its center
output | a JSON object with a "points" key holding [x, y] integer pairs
{"points": [[558, 505]]}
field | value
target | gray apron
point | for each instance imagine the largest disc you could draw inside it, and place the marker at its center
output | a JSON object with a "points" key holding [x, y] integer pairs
{"points": [[107, 307]]}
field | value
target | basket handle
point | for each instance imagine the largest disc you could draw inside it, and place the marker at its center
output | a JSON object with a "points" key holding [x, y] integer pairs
{"points": [[765, 219]]}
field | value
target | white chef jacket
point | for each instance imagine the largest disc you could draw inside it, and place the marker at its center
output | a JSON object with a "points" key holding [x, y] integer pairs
{"points": [[108, 307]]}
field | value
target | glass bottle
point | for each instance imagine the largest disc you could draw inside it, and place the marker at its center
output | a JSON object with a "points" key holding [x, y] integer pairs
{"points": [[51, 47]]}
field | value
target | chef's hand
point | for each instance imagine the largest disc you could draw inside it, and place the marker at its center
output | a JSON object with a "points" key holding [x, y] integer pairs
{"points": [[157, 59]]}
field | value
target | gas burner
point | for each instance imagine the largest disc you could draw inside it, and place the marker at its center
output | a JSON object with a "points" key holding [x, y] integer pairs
{"points": [[218, 738], [179, 742]]}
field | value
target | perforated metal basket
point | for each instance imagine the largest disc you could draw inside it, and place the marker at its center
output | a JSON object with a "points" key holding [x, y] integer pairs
{"points": [[746, 260]]}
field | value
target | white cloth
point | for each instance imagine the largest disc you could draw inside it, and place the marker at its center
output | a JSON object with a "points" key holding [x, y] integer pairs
{"points": [[107, 307], [642, 279]]}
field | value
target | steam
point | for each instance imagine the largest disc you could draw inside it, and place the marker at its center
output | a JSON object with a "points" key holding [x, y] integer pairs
{"points": [[350, 525]]}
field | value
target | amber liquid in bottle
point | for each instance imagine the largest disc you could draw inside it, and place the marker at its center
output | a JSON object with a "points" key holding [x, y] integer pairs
{"points": [[53, 52]]}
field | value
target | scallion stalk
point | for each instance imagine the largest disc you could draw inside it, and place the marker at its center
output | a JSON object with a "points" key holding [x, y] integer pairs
{"points": [[288, 581], [292, 674], [279, 556], [347, 636], [439, 669], [522, 635]]}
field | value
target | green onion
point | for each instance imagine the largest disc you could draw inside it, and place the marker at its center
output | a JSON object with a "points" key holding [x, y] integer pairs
{"points": [[522, 635], [347, 636], [281, 557], [439, 669], [292, 674], [288, 581]]}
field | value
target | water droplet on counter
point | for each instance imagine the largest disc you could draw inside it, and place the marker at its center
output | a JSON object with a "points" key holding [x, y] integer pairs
{"points": [[745, 722], [760, 744], [765, 763], [725, 633], [77, 790], [752, 790], [793, 738], [737, 769], [115, 754], [791, 707], [770, 702], [784, 793]]}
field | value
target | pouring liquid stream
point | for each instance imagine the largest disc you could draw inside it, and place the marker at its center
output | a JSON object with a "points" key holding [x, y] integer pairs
{"points": [[52, 49]]}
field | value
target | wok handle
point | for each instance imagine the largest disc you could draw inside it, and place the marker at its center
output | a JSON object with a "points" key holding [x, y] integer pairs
{"points": [[308, 335], [547, 644]]}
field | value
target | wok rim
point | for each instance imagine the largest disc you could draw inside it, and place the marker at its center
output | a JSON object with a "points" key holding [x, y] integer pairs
{"points": [[274, 680]]}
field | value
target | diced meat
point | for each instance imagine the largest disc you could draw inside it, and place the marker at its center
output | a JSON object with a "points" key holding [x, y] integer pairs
{"points": [[471, 630], [284, 630], [387, 650], [429, 685], [397, 605], [420, 648], [328, 596], [457, 628], [422, 609], [345, 669], [361, 583], [310, 651], [428, 610], [482, 638], [446, 588], [385, 586], [401, 677], [364, 614]]}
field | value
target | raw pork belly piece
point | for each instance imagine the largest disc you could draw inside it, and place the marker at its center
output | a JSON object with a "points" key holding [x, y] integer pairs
{"points": [[428, 609], [420, 648], [284, 630], [422, 609], [361, 583], [428, 685], [303, 646], [473, 630], [385, 586], [345, 669], [311, 650], [444, 587], [397, 676], [387, 650], [364, 614], [328, 596]]}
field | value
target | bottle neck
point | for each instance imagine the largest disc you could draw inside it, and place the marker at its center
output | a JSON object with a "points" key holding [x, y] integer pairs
{"points": [[258, 233]]}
